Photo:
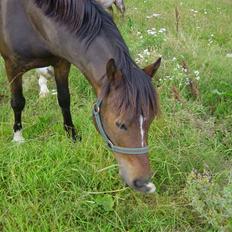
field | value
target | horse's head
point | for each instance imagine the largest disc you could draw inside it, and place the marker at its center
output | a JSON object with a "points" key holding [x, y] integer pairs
{"points": [[126, 125]]}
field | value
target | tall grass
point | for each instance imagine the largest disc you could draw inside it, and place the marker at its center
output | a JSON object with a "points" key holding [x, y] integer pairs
{"points": [[50, 184]]}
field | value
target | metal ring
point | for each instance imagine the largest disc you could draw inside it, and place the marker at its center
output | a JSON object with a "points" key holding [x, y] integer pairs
{"points": [[96, 108], [110, 144]]}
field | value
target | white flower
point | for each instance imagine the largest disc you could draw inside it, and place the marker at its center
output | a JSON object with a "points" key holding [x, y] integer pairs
{"points": [[156, 15], [151, 31], [194, 11], [161, 30], [185, 70], [187, 81], [152, 16], [146, 52], [196, 73], [229, 55]]}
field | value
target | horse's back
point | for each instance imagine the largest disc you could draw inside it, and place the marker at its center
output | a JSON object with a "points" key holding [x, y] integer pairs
{"points": [[17, 36]]}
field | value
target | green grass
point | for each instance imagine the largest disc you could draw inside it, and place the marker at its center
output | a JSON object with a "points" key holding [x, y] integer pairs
{"points": [[51, 184]]}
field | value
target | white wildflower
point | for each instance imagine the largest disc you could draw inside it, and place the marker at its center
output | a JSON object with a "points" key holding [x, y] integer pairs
{"points": [[162, 30], [151, 31], [154, 15], [196, 73], [194, 11], [146, 52], [185, 70]]}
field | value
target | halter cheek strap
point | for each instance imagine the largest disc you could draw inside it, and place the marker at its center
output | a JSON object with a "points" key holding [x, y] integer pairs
{"points": [[111, 146]]}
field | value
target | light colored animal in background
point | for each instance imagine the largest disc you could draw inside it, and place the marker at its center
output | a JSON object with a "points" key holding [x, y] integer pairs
{"points": [[44, 74], [121, 6], [48, 72], [108, 4]]}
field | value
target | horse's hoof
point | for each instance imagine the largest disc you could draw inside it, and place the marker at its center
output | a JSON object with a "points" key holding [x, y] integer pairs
{"points": [[72, 133], [77, 138], [18, 137]]}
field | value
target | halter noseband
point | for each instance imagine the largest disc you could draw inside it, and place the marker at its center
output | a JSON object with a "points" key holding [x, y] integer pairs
{"points": [[111, 146]]}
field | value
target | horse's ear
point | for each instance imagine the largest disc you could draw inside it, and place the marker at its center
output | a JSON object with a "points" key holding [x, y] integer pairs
{"points": [[112, 72], [151, 69]]}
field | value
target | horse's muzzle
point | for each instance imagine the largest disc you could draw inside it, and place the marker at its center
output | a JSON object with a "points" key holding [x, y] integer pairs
{"points": [[144, 186]]}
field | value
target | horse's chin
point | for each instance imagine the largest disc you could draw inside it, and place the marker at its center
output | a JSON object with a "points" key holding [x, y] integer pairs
{"points": [[139, 185]]}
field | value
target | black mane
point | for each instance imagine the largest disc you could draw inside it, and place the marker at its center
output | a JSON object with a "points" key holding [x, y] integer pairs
{"points": [[86, 18]]}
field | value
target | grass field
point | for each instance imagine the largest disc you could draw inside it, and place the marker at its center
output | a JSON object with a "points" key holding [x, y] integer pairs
{"points": [[50, 184]]}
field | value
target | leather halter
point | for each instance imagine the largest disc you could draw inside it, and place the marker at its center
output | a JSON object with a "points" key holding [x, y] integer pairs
{"points": [[111, 146]]}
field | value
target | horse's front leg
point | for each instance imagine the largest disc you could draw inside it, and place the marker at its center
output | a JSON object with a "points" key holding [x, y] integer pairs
{"points": [[61, 70], [14, 75]]}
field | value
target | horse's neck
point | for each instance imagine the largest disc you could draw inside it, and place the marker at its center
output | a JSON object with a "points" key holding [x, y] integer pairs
{"points": [[61, 42], [94, 60]]}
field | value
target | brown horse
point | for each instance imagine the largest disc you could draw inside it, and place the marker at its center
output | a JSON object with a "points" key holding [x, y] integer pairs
{"points": [[47, 72], [38, 33]]}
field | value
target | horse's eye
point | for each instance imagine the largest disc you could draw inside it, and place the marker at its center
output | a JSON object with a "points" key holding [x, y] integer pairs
{"points": [[121, 126]]}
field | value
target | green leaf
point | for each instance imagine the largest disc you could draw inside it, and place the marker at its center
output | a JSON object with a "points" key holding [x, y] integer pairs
{"points": [[106, 202]]}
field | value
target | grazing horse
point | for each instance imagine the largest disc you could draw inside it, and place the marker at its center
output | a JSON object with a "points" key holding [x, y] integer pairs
{"points": [[45, 73], [40, 33]]}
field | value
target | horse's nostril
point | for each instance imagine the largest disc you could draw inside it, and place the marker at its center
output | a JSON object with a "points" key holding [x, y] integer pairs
{"points": [[139, 183], [144, 186]]}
